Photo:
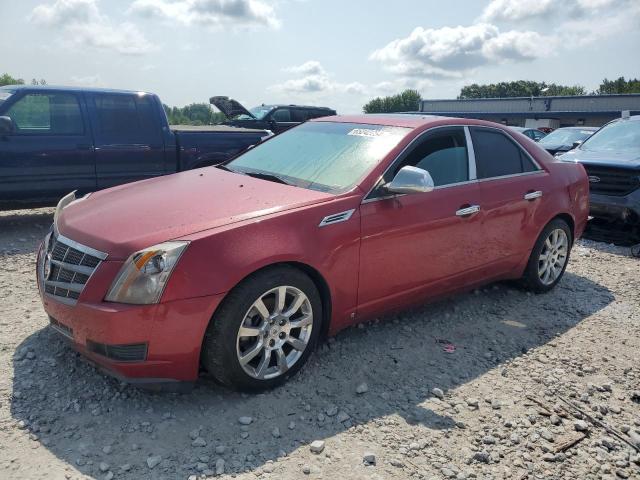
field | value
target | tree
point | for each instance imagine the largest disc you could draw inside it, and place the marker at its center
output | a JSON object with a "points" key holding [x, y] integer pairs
{"points": [[407, 101], [7, 79], [519, 88], [194, 114], [619, 85]]}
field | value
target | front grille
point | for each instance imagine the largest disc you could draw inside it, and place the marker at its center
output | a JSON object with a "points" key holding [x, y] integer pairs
{"points": [[612, 180], [136, 352], [69, 266]]}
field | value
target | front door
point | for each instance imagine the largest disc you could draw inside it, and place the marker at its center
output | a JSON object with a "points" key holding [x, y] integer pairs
{"points": [[422, 244], [128, 138], [50, 151]]}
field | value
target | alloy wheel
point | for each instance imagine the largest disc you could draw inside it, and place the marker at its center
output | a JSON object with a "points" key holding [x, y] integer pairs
{"points": [[274, 332], [553, 257]]}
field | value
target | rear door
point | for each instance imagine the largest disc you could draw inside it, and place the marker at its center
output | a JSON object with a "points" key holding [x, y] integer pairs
{"points": [[281, 119], [50, 151], [512, 185], [128, 137]]}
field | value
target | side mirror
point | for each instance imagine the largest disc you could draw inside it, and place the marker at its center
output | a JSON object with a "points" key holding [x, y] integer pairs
{"points": [[576, 144], [6, 124], [411, 180]]}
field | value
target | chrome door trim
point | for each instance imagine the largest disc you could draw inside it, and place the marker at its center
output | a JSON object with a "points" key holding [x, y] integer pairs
{"points": [[533, 195], [470, 210], [471, 154]]}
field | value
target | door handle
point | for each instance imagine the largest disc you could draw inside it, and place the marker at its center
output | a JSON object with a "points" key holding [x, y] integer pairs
{"points": [[532, 195], [466, 211]]}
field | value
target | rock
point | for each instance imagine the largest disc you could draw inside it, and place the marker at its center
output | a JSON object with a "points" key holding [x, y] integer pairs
{"points": [[489, 440], [245, 420], [331, 410], [362, 388], [109, 476], [306, 469], [555, 419], [472, 402], [199, 442], [291, 425], [153, 461], [194, 433], [482, 457], [369, 458], [549, 457], [220, 449], [269, 467], [496, 404], [581, 426], [343, 417], [125, 468], [608, 443], [634, 437], [104, 467], [317, 446], [438, 393], [448, 473], [107, 449], [275, 432], [220, 466], [547, 435]]}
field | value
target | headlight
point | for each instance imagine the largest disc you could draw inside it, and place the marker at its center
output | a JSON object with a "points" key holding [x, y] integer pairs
{"points": [[144, 275]]}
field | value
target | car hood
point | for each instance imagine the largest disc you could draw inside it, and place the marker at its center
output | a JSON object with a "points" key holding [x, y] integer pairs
{"points": [[230, 107], [124, 219], [626, 159]]}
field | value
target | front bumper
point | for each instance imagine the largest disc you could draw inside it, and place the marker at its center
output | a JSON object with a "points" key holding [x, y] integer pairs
{"points": [[614, 208], [143, 344]]}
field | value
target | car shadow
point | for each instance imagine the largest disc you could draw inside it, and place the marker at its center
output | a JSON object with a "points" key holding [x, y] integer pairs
{"points": [[86, 418]]}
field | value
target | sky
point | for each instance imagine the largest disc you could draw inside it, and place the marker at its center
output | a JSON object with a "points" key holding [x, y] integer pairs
{"points": [[330, 53]]}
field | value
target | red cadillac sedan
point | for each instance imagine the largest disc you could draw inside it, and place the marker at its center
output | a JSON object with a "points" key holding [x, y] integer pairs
{"points": [[241, 268]]}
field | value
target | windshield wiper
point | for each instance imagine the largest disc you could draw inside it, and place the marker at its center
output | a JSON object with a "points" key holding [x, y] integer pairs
{"points": [[268, 176]]}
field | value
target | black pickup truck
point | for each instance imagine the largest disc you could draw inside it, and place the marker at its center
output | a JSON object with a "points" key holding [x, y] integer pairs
{"points": [[57, 139]]}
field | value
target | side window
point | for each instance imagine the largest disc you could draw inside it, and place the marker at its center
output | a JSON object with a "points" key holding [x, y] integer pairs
{"points": [[281, 115], [443, 154], [47, 114], [125, 117], [497, 155], [299, 115]]}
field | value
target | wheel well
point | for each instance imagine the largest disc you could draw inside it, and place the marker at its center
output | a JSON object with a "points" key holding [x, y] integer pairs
{"points": [[569, 219], [318, 280]]}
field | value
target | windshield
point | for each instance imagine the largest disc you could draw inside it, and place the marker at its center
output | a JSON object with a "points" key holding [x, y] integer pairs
{"points": [[325, 156], [4, 95], [566, 136], [621, 135], [258, 112]]}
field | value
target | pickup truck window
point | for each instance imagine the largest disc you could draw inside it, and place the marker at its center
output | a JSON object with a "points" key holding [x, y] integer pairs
{"points": [[47, 114], [125, 117], [4, 95], [325, 156]]}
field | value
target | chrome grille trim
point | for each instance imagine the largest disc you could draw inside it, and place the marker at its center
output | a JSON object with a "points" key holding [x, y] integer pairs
{"points": [[71, 265]]}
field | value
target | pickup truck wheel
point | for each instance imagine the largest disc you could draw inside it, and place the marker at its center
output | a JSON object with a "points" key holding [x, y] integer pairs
{"points": [[549, 257], [264, 330]]}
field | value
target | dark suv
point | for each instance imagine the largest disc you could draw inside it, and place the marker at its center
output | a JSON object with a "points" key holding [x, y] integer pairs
{"points": [[276, 118], [611, 157]]}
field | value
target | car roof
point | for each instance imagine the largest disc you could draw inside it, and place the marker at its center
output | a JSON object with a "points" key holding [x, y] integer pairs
{"points": [[279, 105], [407, 120], [59, 88]]}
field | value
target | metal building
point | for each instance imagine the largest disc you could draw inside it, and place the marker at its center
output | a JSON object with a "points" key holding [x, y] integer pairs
{"points": [[554, 112]]}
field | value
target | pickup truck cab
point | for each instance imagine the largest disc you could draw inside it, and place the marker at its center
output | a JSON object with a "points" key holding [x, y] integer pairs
{"points": [[276, 118], [57, 139]]}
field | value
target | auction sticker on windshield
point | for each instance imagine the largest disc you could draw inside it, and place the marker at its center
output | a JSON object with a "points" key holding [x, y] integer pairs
{"points": [[368, 132]]}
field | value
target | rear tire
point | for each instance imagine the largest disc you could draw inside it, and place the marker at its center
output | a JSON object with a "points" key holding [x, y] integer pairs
{"points": [[549, 257], [264, 330]]}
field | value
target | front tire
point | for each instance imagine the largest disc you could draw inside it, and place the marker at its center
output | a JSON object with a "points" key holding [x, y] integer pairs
{"points": [[264, 330], [549, 257]]}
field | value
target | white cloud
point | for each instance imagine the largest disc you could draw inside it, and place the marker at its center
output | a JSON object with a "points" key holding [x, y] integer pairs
{"points": [[517, 10], [314, 80], [312, 67], [82, 24], [210, 13], [447, 52], [87, 81]]}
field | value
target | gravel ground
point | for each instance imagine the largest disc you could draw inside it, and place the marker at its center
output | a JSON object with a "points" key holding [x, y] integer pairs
{"points": [[436, 392]]}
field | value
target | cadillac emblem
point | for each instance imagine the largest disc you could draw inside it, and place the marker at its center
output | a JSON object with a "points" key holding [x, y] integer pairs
{"points": [[594, 179]]}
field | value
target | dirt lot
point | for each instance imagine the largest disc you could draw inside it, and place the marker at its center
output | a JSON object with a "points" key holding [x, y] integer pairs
{"points": [[437, 392]]}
